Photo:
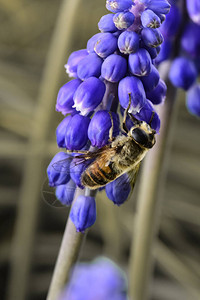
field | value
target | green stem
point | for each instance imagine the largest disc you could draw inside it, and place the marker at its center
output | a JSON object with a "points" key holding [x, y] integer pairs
{"points": [[149, 200]]}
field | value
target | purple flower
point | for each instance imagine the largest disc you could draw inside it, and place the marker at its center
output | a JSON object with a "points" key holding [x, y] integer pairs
{"points": [[89, 95], [128, 42], [193, 100], [193, 8], [118, 5], [60, 132], [150, 19], [157, 96], [83, 213], [58, 169], [118, 190], [140, 63], [158, 6], [151, 37], [106, 44], [98, 130], [151, 80], [99, 280], [65, 192], [170, 27], [91, 42], [123, 20], [182, 73], [146, 113], [152, 51], [76, 132], [73, 61], [106, 24], [65, 97], [189, 41], [89, 66], [131, 85], [77, 167], [114, 68]]}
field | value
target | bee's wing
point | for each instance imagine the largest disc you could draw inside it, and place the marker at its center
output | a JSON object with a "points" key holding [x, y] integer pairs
{"points": [[132, 175]]}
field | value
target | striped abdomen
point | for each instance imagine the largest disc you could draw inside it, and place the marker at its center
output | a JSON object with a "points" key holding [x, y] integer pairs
{"points": [[98, 174]]}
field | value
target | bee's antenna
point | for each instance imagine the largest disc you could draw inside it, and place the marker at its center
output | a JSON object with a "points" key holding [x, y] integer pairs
{"points": [[153, 114], [126, 113]]}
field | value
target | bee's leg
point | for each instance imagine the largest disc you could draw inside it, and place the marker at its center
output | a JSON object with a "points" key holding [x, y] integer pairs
{"points": [[153, 113], [126, 113], [77, 151], [111, 138]]}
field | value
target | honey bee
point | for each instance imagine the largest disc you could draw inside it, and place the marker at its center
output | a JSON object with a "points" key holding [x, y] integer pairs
{"points": [[123, 154]]}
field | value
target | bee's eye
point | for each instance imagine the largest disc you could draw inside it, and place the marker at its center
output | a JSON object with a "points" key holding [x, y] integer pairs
{"points": [[140, 136]]}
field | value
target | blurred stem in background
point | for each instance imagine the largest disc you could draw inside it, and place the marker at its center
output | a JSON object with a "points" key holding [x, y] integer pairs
{"points": [[150, 198], [23, 241]]}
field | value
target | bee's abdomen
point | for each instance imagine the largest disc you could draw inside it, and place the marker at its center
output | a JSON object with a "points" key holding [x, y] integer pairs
{"points": [[95, 176]]}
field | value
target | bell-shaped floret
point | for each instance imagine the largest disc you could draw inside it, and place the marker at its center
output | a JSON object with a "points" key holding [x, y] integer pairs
{"points": [[170, 27], [92, 41], [65, 192], [140, 62], [65, 96], [58, 169], [131, 87], [76, 132], [158, 95], [106, 24], [151, 37], [73, 61], [118, 190], [150, 81], [118, 5], [158, 6], [106, 44], [61, 130], [190, 40], [152, 51], [150, 19], [114, 68], [193, 100], [89, 95], [128, 42], [123, 20], [99, 128], [193, 8], [182, 73], [83, 212], [89, 66]]}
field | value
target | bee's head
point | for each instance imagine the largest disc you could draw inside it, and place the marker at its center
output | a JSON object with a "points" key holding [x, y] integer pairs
{"points": [[143, 135]]}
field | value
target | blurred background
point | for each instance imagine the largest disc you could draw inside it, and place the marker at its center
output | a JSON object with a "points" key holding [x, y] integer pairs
{"points": [[32, 59]]}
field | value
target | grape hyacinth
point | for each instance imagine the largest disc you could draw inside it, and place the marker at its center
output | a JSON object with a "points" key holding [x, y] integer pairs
{"points": [[185, 53], [118, 64], [101, 279]]}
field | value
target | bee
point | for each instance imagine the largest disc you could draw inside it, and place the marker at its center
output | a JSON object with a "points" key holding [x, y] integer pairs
{"points": [[123, 154]]}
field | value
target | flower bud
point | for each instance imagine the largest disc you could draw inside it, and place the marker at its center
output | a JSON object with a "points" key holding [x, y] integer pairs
{"points": [[61, 130], [89, 95], [165, 52], [106, 44], [89, 66], [65, 192], [106, 24], [83, 213], [118, 5], [150, 81], [146, 113], [189, 41], [158, 6], [65, 96], [152, 51], [92, 41], [77, 167], [158, 95], [150, 19], [182, 73], [58, 169], [170, 27], [132, 86], [123, 20], [76, 132], [128, 42], [118, 190], [114, 68], [140, 62], [98, 130], [193, 8], [193, 100], [73, 61], [151, 37]]}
